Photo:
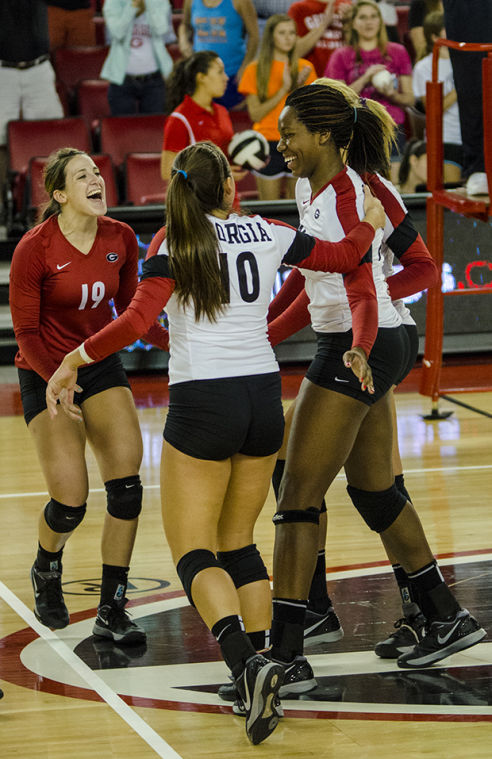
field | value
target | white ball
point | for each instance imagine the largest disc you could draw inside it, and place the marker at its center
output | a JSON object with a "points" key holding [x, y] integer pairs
{"points": [[249, 149], [382, 79]]}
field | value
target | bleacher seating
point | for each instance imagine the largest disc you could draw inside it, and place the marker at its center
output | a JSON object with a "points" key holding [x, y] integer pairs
{"points": [[144, 184], [72, 64], [26, 139], [121, 135], [92, 104]]}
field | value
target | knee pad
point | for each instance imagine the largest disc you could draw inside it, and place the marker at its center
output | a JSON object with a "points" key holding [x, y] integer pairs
{"points": [[378, 508], [323, 507], [296, 515], [61, 518], [124, 497], [191, 564], [244, 565]]}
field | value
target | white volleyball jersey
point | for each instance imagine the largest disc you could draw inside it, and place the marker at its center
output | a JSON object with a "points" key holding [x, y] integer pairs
{"points": [[329, 216], [252, 249], [387, 253]]}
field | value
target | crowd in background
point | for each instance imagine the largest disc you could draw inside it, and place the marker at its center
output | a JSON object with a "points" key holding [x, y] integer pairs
{"points": [[265, 49]]}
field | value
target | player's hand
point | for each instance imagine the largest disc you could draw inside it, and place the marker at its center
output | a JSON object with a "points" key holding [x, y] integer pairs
{"points": [[373, 210], [356, 360], [61, 387]]}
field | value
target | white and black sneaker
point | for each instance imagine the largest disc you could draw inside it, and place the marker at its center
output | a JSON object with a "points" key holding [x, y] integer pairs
{"points": [[409, 630], [322, 628], [258, 686], [442, 639], [298, 677], [229, 692], [114, 622], [49, 606]]}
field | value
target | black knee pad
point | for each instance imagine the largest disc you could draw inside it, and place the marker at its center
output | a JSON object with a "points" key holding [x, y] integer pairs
{"points": [[296, 515], [323, 507], [378, 508], [124, 497], [190, 564], [244, 565], [61, 518]]}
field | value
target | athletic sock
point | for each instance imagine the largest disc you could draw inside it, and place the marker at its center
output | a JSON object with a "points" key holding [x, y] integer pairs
{"points": [[235, 645], [319, 600], [408, 593], [48, 561], [436, 600], [400, 486], [260, 640], [288, 628], [114, 584]]}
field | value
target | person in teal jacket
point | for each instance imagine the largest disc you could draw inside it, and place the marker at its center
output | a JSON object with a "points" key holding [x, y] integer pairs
{"points": [[137, 62]]}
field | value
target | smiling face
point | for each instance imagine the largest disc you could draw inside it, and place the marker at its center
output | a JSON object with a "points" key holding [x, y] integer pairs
{"points": [[84, 191], [215, 80], [284, 36], [299, 147], [367, 23]]}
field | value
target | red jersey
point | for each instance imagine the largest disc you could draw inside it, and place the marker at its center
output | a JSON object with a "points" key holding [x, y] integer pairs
{"points": [[202, 125], [307, 15], [60, 296]]}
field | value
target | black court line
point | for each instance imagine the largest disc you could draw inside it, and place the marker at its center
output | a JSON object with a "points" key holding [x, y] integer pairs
{"points": [[466, 405]]}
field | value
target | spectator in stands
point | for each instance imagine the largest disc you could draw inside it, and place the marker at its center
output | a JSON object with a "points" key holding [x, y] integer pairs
{"points": [[138, 61], [71, 23], [230, 28], [27, 79], [267, 8], [320, 29], [418, 11], [470, 21], [266, 83], [361, 62], [422, 73], [194, 85], [412, 176]]}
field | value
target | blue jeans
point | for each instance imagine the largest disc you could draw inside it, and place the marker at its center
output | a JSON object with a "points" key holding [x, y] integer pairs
{"points": [[142, 94]]}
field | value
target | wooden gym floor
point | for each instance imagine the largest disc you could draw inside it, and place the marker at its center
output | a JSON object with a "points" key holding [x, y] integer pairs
{"points": [[67, 694]]}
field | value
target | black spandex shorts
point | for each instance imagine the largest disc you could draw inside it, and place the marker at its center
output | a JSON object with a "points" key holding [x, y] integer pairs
{"points": [[389, 359], [214, 419], [93, 379], [413, 337]]}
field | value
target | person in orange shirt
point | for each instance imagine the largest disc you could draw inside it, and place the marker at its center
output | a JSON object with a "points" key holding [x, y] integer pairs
{"points": [[266, 83]]}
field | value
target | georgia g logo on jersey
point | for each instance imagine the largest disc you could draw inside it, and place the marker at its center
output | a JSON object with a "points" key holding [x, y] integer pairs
{"points": [[112, 257]]}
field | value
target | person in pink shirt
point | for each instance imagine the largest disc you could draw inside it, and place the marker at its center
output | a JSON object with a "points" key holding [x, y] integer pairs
{"points": [[360, 62]]}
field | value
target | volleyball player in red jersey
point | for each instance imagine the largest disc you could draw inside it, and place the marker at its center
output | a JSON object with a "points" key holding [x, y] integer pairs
{"points": [[225, 420], [65, 272]]}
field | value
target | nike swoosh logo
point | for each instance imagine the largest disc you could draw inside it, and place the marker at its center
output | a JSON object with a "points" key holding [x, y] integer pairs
{"points": [[247, 700], [446, 637], [130, 486], [313, 627], [63, 265], [339, 379]]}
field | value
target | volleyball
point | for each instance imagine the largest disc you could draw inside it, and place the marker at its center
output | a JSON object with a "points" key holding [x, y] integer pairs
{"points": [[249, 149], [382, 79]]}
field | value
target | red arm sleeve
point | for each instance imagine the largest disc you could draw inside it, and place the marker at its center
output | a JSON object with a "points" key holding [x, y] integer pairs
{"points": [[156, 335], [150, 298], [291, 320], [341, 256], [419, 271], [362, 298], [26, 278], [292, 286]]}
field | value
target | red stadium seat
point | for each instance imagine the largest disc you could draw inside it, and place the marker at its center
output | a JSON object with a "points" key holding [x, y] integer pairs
{"points": [[121, 135], [38, 196], [72, 64], [144, 184], [174, 51], [92, 104], [100, 27], [26, 139], [246, 188]]}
